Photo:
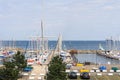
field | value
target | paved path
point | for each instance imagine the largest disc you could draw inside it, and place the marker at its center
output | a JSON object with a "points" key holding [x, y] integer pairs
{"points": [[39, 70]]}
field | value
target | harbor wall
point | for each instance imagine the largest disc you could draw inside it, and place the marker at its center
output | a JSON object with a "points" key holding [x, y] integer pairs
{"points": [[87, 51]]}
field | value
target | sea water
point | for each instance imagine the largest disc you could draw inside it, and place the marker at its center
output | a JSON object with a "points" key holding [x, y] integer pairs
{"points": [[79, 45], [95, 58]]}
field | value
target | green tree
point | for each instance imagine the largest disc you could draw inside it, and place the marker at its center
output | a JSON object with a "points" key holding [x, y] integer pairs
{"points": [[19, 60], [13, 68], [9, 72], [56, 69]]}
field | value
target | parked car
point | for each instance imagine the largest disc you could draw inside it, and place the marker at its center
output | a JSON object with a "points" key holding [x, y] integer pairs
{"points": [[68, 66], [85, 75], [72, 75]]}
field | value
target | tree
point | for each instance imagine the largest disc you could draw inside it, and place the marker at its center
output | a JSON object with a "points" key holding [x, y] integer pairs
{"points": [[19, 60], [12, 68], [9, 72], [56, 69]]}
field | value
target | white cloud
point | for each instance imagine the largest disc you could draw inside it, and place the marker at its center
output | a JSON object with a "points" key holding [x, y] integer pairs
{"points": [[99, 1], [4, 16], [108, 7], [1, 15]]}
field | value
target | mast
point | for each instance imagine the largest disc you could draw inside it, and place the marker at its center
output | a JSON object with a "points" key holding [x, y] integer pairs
{"points": [[58, 48], [42, 36], [60, 43]]}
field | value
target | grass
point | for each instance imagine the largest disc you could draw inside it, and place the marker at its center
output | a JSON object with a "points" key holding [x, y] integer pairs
{"points": [[114, 77]]}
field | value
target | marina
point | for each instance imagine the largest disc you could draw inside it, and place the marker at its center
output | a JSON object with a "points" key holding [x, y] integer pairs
{"points": [[40, 61], [59, 40], [28, 46]]}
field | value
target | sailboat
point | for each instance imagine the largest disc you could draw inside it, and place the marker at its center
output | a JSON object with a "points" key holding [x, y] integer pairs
{"points": [[101, 48], [60, 52], [112, 51], [39, 51]]}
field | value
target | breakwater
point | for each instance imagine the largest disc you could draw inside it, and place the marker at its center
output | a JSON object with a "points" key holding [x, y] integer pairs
{"points": [[87, 51]]}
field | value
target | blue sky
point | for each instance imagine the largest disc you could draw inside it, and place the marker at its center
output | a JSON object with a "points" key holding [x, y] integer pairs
{"points": [[74, 19]]}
